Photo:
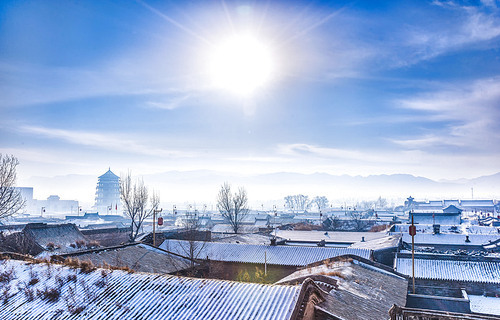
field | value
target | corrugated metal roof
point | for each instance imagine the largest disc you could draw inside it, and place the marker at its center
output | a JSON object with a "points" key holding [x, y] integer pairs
{"points": [[139, 296], [330, 236], [277, 255], [451, 239], [476, 271]]}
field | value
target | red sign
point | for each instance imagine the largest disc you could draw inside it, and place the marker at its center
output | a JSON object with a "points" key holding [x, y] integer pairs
{"points": [[413, 230]]}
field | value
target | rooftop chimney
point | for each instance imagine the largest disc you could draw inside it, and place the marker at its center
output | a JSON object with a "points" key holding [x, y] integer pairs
{"points": [[436, 228]]}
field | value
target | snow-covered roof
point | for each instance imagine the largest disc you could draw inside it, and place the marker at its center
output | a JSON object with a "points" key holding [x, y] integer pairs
{"points": [[482, 304], [477, 203], [450, 239], [251, 238], [67, 293], [463, 229], [248, 253], [137, 256], [455, 270], [330, 236], [380, 243]]}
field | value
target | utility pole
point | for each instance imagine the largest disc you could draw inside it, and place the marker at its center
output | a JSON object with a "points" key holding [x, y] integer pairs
{"points": [[413, 232], [154, 225], [275, 214], [265, 262]]}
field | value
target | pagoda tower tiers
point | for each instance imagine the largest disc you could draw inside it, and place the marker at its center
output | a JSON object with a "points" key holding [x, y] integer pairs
{"points": [[107, 194]]}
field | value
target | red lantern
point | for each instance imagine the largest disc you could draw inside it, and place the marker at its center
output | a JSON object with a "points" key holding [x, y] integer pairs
{"points": [[413, 230], [160, 221]]}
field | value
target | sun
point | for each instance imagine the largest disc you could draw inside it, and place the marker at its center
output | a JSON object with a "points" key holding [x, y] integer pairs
{"points": [[241, 64]]}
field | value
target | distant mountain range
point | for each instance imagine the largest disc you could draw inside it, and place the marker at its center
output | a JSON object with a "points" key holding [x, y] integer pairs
{"points": [[202, 185]]}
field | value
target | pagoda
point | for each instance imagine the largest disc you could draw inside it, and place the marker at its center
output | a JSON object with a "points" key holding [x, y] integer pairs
{"points": [[107, 194]]}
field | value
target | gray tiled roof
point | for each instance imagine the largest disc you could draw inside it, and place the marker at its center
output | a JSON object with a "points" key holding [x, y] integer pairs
{"points": [[450, 239], [247, 253], [455, 270]]}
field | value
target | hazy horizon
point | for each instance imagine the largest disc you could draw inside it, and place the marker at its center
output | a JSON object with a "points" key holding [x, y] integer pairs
{"points": [[201, 187]]}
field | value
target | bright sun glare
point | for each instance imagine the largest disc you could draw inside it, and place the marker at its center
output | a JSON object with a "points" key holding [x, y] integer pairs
{"points": [[241, 64]]}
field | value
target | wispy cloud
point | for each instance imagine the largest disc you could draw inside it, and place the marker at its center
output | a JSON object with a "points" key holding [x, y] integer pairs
{"points": [[313, 151], [169, 104], [31, 84], [471, 25], [472, 111], [105, 141]]}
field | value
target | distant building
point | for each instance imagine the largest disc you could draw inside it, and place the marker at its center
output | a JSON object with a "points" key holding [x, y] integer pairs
{"points": [[451, 215], [52, 206], [107, 195], [477, 206]]}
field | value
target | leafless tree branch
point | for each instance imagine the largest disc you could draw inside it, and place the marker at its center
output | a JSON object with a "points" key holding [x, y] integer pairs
{"points": [[233, 207], [135, 196], [11, 200]]}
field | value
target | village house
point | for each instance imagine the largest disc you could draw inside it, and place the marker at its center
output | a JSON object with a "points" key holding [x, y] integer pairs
{"points": [[249, 262]]}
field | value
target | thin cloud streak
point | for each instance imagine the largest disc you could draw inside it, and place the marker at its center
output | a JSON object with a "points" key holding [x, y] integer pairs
{"points": [[440, 39], [171, 104], [106, 142], [472, 110]]}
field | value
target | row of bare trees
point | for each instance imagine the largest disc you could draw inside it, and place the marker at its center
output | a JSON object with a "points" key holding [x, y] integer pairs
{"points": [[300, 202]]}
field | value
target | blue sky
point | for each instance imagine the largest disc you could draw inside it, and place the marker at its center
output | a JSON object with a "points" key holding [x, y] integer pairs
{"points": [[359, 88]]}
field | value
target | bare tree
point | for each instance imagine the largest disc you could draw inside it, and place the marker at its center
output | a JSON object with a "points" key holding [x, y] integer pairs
{"points": [[297, 202], [331, 224], [192, 248], [135, 198], [233, 207], [381, 203], [320, 202], [358, 219], [289, 202], [11, 200]]}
